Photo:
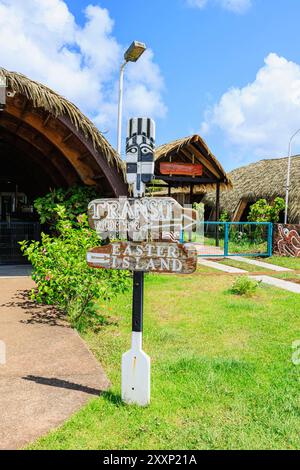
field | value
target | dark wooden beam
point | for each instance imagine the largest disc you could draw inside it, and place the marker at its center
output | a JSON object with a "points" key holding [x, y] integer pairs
{"points": [[217, 213], [84, 157], [191, 194], [67, 138], [98, 177], [188, 180], [47, 120]]}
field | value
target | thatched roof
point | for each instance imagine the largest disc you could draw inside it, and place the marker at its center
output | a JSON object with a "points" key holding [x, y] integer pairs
{"points": [[194, 147], [264, 179], [43, 97]]}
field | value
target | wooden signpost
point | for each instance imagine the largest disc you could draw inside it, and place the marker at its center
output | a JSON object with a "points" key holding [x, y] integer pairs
{"points": [[149, 230], [173, 258]]}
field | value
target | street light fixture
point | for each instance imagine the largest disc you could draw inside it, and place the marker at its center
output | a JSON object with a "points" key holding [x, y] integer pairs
{"points": [[132, 54], [288, 180]]}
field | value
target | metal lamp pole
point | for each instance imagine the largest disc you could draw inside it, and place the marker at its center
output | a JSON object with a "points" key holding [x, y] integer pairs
{"points": [[120, 107], [288, 180], [133, 53]]}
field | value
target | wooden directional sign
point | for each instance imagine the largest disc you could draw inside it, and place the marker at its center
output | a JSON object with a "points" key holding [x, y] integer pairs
{"points": [[182, 169], [157, 257], [144, 219]]}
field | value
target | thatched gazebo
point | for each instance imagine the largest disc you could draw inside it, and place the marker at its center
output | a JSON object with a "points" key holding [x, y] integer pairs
{"points": [[189, 189], [46, 142], [264, 179]]}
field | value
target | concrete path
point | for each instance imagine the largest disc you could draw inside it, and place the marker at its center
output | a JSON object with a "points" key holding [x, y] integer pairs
{"points": [[280, 283], [261, 264], [49, 373], [221, 267]]}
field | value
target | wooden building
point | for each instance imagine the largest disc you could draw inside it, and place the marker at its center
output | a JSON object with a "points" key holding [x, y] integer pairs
{"points": [[264, 179], [188, 189], [46, 143]]}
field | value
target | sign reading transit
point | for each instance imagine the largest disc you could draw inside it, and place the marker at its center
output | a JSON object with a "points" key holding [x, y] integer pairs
{"points": [[145, 219], [157, 257]]}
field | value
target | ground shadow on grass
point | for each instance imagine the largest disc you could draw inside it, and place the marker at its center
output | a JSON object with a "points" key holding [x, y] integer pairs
{"points": [[59, 383], [36, 313], [113, 398]]}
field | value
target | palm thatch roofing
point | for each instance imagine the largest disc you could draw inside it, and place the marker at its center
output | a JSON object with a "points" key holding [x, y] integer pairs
{"points": [[44, 98], [264, 179], [194, 149]]}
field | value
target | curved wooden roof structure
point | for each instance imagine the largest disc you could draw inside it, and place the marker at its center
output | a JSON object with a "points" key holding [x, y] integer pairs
{"points": [[194, 149], [54, 141]]}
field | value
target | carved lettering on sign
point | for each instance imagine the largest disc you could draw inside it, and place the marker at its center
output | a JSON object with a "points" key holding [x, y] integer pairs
{"points": [[161, 257], [145, 219]]}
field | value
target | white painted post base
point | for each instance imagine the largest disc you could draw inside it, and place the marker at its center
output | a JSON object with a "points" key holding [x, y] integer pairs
{"points": [[136, 368]]}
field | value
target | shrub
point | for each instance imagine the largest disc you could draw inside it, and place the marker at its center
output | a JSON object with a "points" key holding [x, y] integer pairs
{"points": [[74, 200], [63, 277], [261, 211], [244, 286], [224, 217]]}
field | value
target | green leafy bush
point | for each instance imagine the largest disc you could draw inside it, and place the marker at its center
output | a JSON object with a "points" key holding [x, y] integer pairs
{"points": [[261, 211], [244, 286], [75, 201], [63, 277], [224, 217]]}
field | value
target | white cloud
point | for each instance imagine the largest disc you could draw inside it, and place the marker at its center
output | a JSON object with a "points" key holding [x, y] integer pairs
{"points": [[43, 40], [237, 6], [258, 120]]}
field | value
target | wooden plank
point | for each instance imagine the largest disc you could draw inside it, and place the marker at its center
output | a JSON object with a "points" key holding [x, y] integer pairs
{"points": [[240, 210], [208, 164], [67, 137], [184, 169], [172, 258], [47, 119]]}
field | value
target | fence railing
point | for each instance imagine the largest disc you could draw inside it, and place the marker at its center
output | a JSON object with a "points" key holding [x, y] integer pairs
{"points": [[222, 239]]}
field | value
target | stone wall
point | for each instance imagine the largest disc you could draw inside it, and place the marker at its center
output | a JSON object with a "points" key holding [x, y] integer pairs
{"points": [[286, 240]]}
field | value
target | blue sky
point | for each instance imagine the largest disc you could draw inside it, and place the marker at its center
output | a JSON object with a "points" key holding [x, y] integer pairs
{"points": [[227, 69]]}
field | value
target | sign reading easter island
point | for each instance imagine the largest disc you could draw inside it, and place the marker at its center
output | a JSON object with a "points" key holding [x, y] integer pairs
{"points": [[145, 219], [159, 257]]}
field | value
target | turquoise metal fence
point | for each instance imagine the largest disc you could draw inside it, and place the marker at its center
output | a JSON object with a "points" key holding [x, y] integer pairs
{"points": [[223, 239]]}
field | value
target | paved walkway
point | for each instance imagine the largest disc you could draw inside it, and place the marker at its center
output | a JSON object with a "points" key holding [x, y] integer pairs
{"points": [[260, 264], [49, 373], [221, 267], [280, 283]]}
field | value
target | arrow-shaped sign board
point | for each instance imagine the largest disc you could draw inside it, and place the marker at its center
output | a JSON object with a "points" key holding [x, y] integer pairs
{"points": [[160, 257], [145, 219]]}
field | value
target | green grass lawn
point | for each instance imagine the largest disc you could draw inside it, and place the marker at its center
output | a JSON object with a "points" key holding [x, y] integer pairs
{"points": [[292, 263], [234, 247], [222, 375]]}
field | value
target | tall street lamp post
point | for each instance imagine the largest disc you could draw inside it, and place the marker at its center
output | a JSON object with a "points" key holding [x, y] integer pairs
{"points": [[132, 54], [288, 180]]}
